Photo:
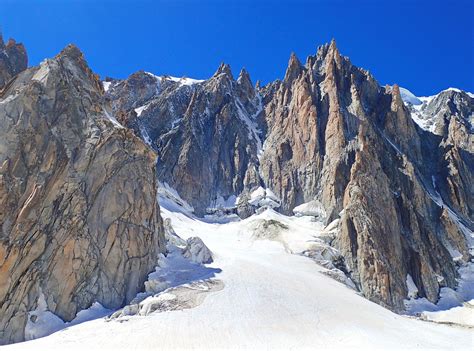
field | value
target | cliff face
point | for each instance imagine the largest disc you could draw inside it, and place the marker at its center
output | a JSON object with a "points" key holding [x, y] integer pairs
{"points": [[336, 136], [13, 60], [79, 221], [205, 132], [328, 134]]}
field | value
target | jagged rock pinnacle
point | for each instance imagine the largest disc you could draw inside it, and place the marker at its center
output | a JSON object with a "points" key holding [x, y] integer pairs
{"points": [[244, 79], [396, 96], [13, 60], [244, 74], [72, 51], [224, 68], [294, 68]]}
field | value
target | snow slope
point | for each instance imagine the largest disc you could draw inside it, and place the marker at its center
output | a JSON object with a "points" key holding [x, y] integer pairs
{"points": [[408, 96], [272, 299], [417, 106]]}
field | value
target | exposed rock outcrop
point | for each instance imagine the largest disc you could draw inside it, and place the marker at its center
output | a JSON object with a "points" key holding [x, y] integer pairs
{"points": [[205, 132], [79, 220], [196, 251], [13, 60], [336, 136]]}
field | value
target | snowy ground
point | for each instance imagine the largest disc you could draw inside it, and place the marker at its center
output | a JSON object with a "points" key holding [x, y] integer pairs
{"points": [[271, 299]]}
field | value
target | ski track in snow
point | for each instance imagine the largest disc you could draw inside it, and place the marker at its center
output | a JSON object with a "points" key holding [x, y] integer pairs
{"points": [[272, 300]]}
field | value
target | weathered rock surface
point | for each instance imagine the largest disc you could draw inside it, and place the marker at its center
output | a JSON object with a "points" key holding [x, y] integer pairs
{"points": [[205, 132], [326, 134], [79, 221], [336, 136], [13, 60], [196, 251]]}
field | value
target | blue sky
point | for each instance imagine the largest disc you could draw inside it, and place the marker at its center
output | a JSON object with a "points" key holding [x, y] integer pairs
{"points": [[425, 46]]}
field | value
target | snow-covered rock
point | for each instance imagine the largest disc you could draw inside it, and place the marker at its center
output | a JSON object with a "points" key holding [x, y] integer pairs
{"points": [[461, 315], [42, 322], [312, 208], [448, 298], [432, 112], [197, 251], [408, 96], [169, 198], [264, 199], [172, 238]]}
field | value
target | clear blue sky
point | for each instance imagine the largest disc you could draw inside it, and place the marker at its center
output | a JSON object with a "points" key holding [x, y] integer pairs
{"points": [[425, 46]]}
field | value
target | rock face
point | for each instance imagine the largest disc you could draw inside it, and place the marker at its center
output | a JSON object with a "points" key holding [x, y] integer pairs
{"points": [[13, 60], [336, 136], [197, 251], [450, 115], [79, 221], [328, 134], [205, 132]]}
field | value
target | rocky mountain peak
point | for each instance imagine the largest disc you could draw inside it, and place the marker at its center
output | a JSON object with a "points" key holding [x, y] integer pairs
{"points": [[73, 54], [225, 69], [244, 77], [72, 60], [245, 83], [72, 51], [325, 54], [294, 68], [13, 60], [11, 42], [333, 54], [397, 101]]}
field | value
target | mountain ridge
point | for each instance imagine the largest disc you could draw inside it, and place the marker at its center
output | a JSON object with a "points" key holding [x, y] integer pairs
{"points": [[312, 129], [326, 141]]}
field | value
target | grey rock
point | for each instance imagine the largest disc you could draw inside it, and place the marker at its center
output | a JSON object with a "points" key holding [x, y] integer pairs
{"points": [[171, 237], [13, 60], [205, 134], [197, 251], [79, 221]]}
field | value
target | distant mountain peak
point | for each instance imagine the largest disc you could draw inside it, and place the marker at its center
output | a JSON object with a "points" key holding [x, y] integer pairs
{"points": [[224, 68]]}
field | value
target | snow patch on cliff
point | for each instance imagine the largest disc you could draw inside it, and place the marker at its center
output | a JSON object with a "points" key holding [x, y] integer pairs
{"points": [[408, 96], [106, 85], [113, 120], [139, 110]]}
